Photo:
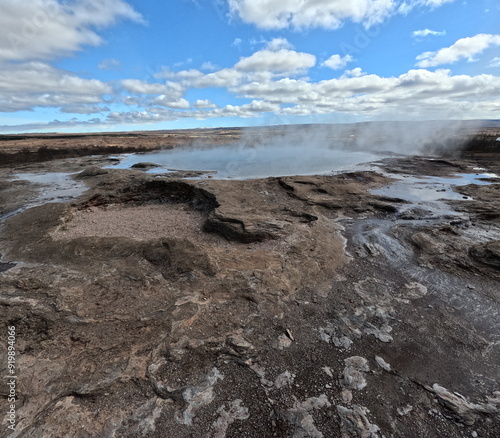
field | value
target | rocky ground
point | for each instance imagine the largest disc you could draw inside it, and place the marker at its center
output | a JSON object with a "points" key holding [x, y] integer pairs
{"points": [[301, 306]]}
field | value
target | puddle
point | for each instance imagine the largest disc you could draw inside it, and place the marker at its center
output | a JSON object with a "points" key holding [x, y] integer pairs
{"points": [[54, 186], [239, 162], [431, 188]]}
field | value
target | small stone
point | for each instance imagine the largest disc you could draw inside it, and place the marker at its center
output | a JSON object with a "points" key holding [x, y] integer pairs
{"points": [[284, 342], [284, 379], [144, 165], [353, 377], [328, 371], [237, 342], [343, 342], [415, 290], [382, 363], [405, 411], [346, 396]]}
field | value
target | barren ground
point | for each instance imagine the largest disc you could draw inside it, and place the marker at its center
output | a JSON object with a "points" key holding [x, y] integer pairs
{"points": [[301, 306]]}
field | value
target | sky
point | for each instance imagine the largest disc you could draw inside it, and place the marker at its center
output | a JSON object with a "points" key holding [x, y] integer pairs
{"points": [[119, 65]]}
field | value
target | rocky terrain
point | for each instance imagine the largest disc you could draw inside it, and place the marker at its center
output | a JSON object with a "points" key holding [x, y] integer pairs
{"points": [[300, 306]]}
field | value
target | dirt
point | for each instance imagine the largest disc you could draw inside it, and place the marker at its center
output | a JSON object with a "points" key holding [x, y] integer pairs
{"points": [[301, 306]]}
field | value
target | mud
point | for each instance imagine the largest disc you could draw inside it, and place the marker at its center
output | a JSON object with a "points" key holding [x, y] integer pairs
{"points": [[300, 306]]}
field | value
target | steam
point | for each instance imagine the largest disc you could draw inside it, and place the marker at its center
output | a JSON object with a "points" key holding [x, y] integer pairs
{"points": [[406, 138], [261, 152]]}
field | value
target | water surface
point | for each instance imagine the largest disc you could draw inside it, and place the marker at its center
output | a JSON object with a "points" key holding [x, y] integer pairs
{"points": [[246, 162], [432, 188]]}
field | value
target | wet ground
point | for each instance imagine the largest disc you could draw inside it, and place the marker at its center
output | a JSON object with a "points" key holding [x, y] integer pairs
{"points": [[359, 304]]}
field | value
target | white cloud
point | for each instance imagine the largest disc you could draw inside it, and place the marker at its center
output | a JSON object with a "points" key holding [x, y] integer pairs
{"points": [[27, 85], [141, 87], [45, 29], [464, 48], [225, 78], [426, 32], [204, 103], [133, 117], [279, 14], [336, 62], [329, 14], [279, 61], [355, 73], [278, 44], [167, 102], [271, 79], [166, 73], [260, 66], [419, 92]]}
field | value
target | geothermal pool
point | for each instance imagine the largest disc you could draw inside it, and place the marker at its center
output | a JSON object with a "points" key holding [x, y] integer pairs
{"points": [[247, 162]]}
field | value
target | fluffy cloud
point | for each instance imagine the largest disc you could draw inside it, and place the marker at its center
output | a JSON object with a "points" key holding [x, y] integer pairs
{"points": [[141, 87], [282, 91], [279, 14], [227, 77], [417, 93], [28, 85], [465, 48], [426, 32], [278, 44], [336, 62], [251, 109], [273, 61], [277, 61], [167, 102], [204, 103], [329, 14], [34, 31], [166, 73], [355, 72], [45, 29]]}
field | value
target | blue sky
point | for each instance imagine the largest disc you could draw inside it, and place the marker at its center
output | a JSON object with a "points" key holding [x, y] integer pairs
{"points": [[113, 65]]}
